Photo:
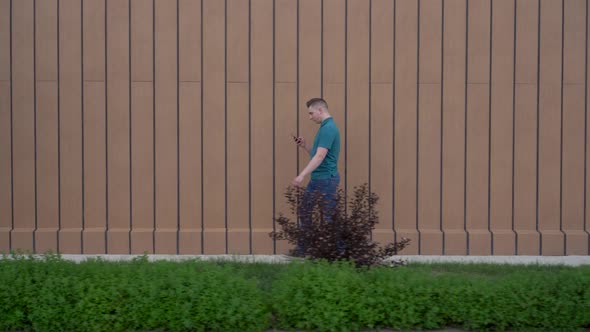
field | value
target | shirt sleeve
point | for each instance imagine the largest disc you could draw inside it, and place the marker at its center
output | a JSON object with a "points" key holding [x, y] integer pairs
{"points": [[326, 138]]}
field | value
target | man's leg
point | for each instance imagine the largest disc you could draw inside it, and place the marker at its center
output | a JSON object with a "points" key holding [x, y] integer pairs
{"points": [[329, 191], [322, 192], [305, 210]]}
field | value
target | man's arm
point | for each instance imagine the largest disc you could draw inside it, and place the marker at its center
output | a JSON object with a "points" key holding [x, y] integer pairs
{"points": [[316, 161], [303, 143], [308, 149]]}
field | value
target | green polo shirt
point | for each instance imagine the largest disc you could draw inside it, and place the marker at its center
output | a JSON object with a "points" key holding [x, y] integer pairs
{"points": [[327, 137]]}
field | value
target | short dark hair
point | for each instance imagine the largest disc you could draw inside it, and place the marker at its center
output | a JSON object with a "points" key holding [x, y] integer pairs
{"points": [[314, 102]]}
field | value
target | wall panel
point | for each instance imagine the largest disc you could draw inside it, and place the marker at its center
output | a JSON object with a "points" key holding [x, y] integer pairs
{"points": [[478, 128], [334, 71], [5, 167], [286, 112], [358, 95], [5, 127], [142, 168], [550, 135], [453, 127], [189, 47], [261, 125], [405, 141], [23, 124], [166, 118], [238, 180], [190, 128], [118, 127], [214, 135], [526, 128], [309, 55], [381, 121], [501, 141], [429, 127], [47, 168], [70, 127], [47, 128], [574, 94]]}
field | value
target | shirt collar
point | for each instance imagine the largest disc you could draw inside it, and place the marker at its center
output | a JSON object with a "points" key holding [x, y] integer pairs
{"points": [[326, 121]]}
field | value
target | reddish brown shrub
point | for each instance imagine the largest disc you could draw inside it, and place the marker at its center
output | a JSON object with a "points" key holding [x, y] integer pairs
{"points": [[340, 232]]}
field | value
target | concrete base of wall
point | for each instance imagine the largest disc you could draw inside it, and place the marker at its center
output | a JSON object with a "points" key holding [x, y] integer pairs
{"points": [[544, 260]]}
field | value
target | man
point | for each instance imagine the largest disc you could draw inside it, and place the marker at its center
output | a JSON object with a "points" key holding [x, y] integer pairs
{"points": [[324, 152], [323, 165]]}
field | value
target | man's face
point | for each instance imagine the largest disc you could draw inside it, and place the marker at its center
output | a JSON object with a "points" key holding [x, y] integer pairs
{"points": [[315, 114]]}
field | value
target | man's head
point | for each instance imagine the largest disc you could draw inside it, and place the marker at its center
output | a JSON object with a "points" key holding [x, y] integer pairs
{"points": [[317, 109]]}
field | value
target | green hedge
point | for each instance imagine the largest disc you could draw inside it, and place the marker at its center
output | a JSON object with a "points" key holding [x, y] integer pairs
{"points": [[332, 297], [139, 296], [56, 295]]}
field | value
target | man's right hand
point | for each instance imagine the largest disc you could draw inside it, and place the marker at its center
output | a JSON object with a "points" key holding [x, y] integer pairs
{"points": [[300, 141]]}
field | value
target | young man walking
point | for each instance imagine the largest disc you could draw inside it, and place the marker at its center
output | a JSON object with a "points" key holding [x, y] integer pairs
{"points": [[323, 166]]}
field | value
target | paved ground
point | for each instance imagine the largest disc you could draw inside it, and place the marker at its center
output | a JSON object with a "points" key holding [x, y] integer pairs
{"points": [[549, 260]]}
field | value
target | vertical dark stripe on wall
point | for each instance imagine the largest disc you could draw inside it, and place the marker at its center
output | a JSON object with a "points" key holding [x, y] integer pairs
{"points": [[178, 129], [297, 98], [58, 135], [130, 137], [514, 125], [250, 120], [11, 142], [418, 129], [274, 240], [345, 98], [202, 145], [466, 117], [370, 94], [321, 49], [225, 122], [586, 125], [538, 113], [106, 128], [490, 127], [442, 120], [82, 120], [154, 119], [561, 134], [393, 127], [35, 116]]}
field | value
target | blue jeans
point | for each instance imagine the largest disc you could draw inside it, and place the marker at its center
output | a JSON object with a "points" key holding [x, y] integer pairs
{"points": [[327, 188]]}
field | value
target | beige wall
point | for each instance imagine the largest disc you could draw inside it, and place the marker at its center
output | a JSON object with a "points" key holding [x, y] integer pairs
{"points": [[163, 126]]}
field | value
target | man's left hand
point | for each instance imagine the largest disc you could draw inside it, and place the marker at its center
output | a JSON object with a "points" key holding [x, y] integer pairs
{"points": [[298, 181]]}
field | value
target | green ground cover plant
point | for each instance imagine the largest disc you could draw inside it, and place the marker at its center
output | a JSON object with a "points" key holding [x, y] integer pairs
{"points": [[56, 295], [51, 294]]}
